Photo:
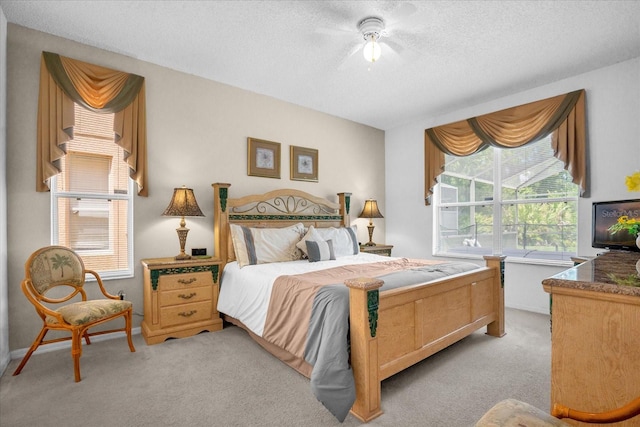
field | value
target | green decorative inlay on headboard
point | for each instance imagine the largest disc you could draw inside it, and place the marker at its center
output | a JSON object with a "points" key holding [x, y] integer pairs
{"points": [[223, 198], [502, 273], [155, 274], [276, 217], [373, 298], [347, 203]]}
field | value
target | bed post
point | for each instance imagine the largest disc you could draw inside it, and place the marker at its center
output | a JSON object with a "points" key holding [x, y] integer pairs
{"points": [[220, 220], [496, 328], [363, 312], [345, 204]]}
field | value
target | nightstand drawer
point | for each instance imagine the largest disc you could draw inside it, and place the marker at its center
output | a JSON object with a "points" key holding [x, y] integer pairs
{"points": [[187, 313], [185, 295], [185, 280], [377, 249]]}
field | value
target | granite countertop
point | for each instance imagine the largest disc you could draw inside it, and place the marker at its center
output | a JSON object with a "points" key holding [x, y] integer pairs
{"points": [[611, 273]]}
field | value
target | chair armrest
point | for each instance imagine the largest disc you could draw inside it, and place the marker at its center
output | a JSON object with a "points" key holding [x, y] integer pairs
{"points": [[42, 309], [625, 412], [102, 288]]}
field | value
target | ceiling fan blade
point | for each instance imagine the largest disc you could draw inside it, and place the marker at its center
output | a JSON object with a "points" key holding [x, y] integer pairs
{"points": [[403, 11], [396, 47], [340, 32], [352, 52]]}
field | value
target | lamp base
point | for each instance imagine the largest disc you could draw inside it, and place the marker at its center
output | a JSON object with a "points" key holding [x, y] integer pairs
{"points": [[370, 227], [182, 236]]}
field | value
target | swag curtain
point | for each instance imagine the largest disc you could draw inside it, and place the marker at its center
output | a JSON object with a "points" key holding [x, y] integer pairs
{"points": [[64, 81], [563, 116]]}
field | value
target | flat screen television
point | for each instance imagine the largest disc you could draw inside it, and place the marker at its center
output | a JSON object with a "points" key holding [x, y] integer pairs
{"points": [[605, 214]]}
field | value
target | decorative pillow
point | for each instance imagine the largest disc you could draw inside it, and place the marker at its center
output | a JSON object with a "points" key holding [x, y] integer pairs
{"points": [[320, 250], [345, 240], [312, 235], [264, 245]]}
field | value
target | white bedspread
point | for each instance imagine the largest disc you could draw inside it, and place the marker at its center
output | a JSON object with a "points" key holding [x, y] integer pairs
{"points": [[245, 292]]}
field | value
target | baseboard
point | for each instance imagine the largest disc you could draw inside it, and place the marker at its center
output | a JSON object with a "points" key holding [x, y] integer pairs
{"points": [[19, 354], [528, 308]]}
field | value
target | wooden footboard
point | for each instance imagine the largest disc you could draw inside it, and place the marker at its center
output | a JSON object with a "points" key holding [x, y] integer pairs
{"points": [[394, 329]]}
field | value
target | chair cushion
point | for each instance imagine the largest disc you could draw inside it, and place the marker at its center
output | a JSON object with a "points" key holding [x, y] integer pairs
{"points": [[514, 413], [83, 312]]}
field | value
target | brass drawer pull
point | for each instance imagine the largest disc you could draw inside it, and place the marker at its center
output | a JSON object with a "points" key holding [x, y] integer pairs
{"points": [[187, 313], [191, 295], [187, 281]]}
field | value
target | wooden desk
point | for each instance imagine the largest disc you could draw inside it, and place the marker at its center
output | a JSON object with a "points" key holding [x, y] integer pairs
{"points": [[595, 348]]}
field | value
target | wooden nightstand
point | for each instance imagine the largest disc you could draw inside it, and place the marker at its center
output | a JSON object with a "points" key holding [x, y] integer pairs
{"points": [[180, 298], [377, 249]]}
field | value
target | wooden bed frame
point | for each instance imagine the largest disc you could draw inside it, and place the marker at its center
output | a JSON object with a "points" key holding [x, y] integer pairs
{"points": [[390, 330]]}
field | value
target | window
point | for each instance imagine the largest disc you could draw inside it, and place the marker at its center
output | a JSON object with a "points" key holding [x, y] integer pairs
{"points": [[518, 202], [92, 198]]}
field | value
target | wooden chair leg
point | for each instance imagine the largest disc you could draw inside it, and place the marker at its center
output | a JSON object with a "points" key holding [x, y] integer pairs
{"points": [[128, 324], [34, 346], [76, 351]]}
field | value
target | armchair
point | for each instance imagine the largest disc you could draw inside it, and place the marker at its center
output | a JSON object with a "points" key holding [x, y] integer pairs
{"points": [[60, 267]]}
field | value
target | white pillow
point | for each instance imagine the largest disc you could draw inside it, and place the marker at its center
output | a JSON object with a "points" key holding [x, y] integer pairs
{"points": [[345, 239], [264, 245]]}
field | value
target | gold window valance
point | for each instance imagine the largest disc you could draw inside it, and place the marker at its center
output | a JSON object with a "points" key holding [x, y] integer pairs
{"points": [[563, 116], [65, 81]]}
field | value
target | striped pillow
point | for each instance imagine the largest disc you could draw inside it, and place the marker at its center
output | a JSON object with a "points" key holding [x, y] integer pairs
{"points": [[345, 240], [320, 250], [264, 245]]}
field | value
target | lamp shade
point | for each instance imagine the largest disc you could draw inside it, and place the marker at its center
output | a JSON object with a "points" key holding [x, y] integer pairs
{"points": [[183, 203], [370, 210]]}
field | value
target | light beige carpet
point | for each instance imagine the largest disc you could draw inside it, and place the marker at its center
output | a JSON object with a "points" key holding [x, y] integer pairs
{"points": [[226, 379]]}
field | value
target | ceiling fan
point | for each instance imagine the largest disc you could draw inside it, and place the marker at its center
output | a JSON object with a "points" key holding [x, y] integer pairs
{"points": [[375, 36]]}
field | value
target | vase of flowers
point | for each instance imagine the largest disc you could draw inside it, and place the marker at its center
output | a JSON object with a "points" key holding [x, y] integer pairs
{"points": [[631, 225]]}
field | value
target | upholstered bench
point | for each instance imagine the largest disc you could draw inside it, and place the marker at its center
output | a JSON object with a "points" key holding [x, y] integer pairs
{"points": [[514, 413]]}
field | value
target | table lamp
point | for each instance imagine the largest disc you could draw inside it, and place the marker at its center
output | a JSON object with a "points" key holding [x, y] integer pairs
{"points": [[183, 203], [370, 211]]}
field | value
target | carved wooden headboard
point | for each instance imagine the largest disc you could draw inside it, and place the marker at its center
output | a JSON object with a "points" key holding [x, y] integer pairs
{"points": [[278, 208]]}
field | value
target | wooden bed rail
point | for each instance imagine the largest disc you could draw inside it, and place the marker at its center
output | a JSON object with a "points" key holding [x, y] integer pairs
{"points": [[625, 412]]}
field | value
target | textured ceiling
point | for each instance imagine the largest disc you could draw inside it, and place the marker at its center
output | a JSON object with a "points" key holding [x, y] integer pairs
{"points": [[448, 54]]}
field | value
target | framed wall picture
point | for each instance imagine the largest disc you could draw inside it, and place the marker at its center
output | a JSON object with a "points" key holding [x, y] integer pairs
{"points": [[263, 158], [304, 164]]}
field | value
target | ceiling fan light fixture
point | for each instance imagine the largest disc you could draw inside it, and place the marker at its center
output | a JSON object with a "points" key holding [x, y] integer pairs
{"points": [[372, 50], [371, 28]]}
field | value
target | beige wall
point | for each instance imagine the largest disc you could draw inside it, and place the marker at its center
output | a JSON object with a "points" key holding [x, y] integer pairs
{"points": [[197, 131]]}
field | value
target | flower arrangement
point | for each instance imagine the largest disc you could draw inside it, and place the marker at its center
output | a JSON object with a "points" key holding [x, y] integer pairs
{"points": [[633, 182], [632, 225]]}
